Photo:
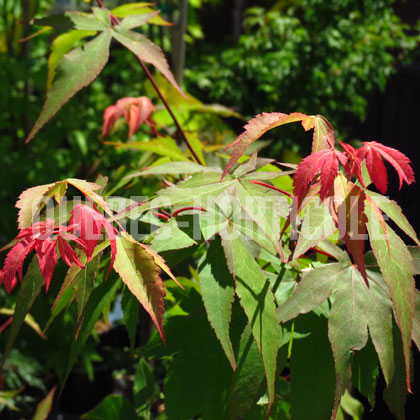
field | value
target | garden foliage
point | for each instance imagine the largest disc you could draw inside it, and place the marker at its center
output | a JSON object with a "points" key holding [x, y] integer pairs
{"points": [[286, 307]]}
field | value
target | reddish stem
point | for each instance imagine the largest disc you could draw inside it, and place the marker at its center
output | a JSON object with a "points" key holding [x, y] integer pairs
{"points": [[161, 216], [319, 251], [273, 188], [6, 324], [186, 209]]}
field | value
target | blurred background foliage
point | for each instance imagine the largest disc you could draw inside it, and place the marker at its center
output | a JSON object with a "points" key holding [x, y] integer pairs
{"points": [[312, 56]]}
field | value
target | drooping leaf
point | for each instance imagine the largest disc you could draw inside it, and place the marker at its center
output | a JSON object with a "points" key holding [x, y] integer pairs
{"points": [[316, 286], [76, 70], [140, 273], [395, 394], [146, 51], [28, 292], [365, 371], [373, 152], [396, 265], [311, 393], [112, 407], [218, 291], [256, 298], [347, 329], [144, 384], [394, 212], [351, 219], [88, 223], [248, 379], [317, 225], [99, 298]]}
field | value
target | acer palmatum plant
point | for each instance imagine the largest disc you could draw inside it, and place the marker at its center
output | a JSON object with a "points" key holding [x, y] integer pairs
{"points": [[284, 311]]}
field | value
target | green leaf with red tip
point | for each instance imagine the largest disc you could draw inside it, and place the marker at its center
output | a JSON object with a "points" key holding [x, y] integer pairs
{"points": [[140, 273], [147, 51], [76, 70], [259, 125], [396, 265], [255, 295], [132, 9], [394, 212], [218, 291]]}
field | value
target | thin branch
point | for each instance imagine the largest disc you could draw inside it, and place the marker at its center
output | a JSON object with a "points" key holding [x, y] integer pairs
{"points": [[176, 213], [165, 102], [272, 187]]}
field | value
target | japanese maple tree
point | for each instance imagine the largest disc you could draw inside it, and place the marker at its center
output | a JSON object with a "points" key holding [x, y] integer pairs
{"points": [[284, 310]]}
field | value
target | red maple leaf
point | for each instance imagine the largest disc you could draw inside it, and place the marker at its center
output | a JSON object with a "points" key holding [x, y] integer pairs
{"points": [[42, 237], [136, 111], [87, 222], [374, 152], [324, 162], [354, 164]]}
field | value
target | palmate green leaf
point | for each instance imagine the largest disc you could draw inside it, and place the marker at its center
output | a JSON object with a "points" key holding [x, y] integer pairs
{"points": [[145, 50], [99, 299], [265, 207], [218, 291], [396, 265], [248, 380], [170, 237], [29, 290], [98, 21], [317, 225], [138, 270], [394, 212], [76, 70], [316, 286], [312, 376], [255, 295], [371, 305]]}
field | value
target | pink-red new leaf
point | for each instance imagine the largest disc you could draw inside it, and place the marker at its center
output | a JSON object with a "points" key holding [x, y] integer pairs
{"points": [[324, 162], [374, 152], [136, 111]]}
